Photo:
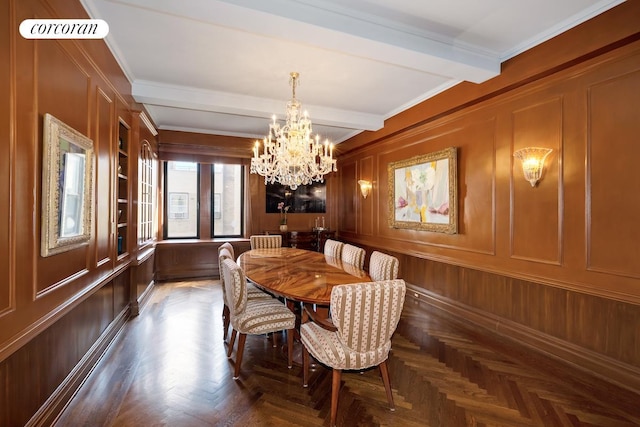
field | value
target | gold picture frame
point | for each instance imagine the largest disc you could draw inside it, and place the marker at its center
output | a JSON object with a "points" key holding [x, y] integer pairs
{"points": [[423, 192], [67, 187]]}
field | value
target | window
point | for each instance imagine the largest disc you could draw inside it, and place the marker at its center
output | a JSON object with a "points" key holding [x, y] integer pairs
{"points": [[228, 189], [147, 194], [182, 189], [222, 211]]}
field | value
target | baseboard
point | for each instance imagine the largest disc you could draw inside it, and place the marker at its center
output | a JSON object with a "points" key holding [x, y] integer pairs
{"points": [[624, 379], [55, 404], [146, 296]]}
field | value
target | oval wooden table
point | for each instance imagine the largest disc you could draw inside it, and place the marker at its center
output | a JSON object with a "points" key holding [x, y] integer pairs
{"points": [[298, 274]]}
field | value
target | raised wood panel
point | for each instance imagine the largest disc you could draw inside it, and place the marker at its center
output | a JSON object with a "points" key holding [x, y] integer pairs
{"points": [[475, 140], [366, 211], [535, 215], [31, 374], [604, 326], [613, 208], [144, 275], [348, 192], [103, 146], [7, 162], [60, 77], [186, 259]]}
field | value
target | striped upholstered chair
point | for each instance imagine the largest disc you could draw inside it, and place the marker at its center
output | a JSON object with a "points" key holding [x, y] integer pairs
{"points": [[253, 316], [333, 248], [383, 266], [353, 255], [364, 316], [266, 241], [225, 251]]}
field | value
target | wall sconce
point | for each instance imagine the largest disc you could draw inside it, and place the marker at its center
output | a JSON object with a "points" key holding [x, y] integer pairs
{"points": [[365, 187], [532, 159]]}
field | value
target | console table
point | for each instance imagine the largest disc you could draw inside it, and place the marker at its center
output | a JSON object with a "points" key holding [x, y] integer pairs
{"points": [[310, 240]]}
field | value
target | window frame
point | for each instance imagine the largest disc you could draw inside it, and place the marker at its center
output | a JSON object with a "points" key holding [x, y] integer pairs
{"points": [[242, 201], [165, 222], [206, 194]]}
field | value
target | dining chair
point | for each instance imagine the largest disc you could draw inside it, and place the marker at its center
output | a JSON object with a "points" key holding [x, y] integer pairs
{"points": [[333, 248], [383, 266], [266, 241], [225, 251], [253, 316], [364, 316], [353, 255]]}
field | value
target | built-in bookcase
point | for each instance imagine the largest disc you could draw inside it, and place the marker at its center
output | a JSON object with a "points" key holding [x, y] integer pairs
{"points": [[123, 188]]}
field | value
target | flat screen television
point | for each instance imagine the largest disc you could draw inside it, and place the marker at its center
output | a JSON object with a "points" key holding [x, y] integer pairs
{"points": [[304, 199]]}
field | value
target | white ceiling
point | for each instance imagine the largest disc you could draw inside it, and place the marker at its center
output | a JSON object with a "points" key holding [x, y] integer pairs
{"points": [[222, 66]]}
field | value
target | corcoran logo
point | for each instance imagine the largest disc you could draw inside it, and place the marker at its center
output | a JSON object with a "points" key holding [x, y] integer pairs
{"points": [[64, 29]]}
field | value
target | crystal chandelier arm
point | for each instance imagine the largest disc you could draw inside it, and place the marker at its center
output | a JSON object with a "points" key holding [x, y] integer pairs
{"points": [[292, 156]]}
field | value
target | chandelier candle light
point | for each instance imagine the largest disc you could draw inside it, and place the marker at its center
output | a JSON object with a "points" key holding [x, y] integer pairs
{"points": [[290, 155]]}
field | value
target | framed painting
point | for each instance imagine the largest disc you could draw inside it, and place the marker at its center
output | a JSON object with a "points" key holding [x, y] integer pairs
{"points": [[67, 188], [423, 192]]}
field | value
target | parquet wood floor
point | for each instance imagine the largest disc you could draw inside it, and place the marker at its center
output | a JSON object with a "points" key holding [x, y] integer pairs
{"points": [[168, 367]]}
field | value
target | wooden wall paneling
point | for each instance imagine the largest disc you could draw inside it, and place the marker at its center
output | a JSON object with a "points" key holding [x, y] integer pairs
{"points": [[103, 197], [7, 160], [536, 222], [597, 324], [204, 203], [144, 276], [71, 291], [255, 203], [348, 196], [38, 368], [186, 259], [475, 139], [580, 306], [365, 213], [59, 76], [182, 259], [613, 210], [121, 291]]}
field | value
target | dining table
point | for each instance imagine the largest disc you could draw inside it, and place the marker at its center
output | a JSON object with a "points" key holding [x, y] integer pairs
{"points": [[303, 278], [298, 274]]}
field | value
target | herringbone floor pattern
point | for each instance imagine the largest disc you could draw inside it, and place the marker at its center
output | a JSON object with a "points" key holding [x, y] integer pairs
{"points": [[169, 368]]}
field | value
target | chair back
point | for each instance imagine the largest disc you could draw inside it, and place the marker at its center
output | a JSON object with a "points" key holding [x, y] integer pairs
{"points": [[235, 286], [333, 248], [223, 253], [229, 247], [383, 266], [367, 314], [353, 255], [266, 241]]}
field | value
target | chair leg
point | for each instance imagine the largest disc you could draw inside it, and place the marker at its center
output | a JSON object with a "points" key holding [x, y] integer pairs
{"points": [[232, 340], [225, 321], [305, 367], [384, 372], [241, 341], [274, 339], [335, 392], [290, 347]]}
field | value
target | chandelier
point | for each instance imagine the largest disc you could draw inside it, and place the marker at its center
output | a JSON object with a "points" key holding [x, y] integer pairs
{"points": [[290, 155]]}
